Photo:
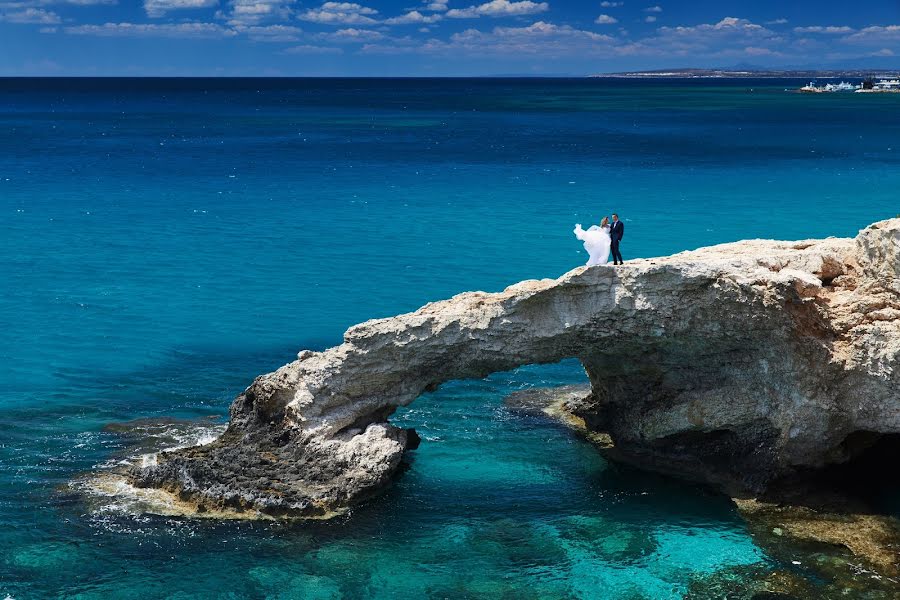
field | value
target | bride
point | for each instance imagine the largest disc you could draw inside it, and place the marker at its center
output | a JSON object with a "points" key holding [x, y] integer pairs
{"points": [[596, 242]]}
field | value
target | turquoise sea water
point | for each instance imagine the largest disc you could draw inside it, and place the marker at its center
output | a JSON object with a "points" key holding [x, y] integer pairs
{"points": [[164, 241]]}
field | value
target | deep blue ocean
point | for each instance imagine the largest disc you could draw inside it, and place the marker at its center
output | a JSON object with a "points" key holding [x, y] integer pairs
{"points": [[165, 241]]}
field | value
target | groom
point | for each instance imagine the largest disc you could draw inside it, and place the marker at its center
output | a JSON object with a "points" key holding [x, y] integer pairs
{"points": [[616, 231]]}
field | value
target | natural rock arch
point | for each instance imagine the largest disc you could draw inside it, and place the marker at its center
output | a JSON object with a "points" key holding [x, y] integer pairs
{"points": [[736, 363]]}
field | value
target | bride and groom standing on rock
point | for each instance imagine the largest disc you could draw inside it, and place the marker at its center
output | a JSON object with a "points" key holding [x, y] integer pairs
{"points": [[603, 240]]}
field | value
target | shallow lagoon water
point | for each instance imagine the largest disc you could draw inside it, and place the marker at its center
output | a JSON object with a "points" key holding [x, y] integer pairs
{"points": [[165, 241]]}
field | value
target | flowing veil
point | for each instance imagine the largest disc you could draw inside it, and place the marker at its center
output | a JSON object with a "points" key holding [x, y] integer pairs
{"points": [[596, 242]]}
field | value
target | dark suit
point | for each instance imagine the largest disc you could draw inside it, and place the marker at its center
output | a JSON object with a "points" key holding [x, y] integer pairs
{"points": [[616, 231]]}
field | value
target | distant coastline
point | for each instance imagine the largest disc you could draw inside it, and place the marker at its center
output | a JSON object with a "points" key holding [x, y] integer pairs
{"points": [[751, 74]]}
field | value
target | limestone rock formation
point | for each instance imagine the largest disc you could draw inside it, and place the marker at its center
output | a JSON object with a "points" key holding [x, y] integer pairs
{"points": [[737, 364]]}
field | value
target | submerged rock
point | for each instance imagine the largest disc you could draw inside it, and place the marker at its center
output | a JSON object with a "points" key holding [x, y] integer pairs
{"points": [[739, 364], [872, 539], [547, 400], [755, 582]]}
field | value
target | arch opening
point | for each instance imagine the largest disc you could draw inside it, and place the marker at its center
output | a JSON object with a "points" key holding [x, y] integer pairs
{"points": [[526, 389]]}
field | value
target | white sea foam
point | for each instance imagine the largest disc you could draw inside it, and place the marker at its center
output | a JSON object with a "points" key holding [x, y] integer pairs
{"points": [[184, 438], [200, 436], [114, 497], [110, 493]]}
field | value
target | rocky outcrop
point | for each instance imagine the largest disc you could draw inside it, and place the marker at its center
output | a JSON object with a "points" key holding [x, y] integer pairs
{"points": [[738, 364]]}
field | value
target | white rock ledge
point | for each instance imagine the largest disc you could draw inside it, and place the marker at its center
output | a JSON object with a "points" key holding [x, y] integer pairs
{"points": [[738, 363]]}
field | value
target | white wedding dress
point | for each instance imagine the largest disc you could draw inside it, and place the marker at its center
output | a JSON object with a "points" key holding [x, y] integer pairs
{"points": [[596, 241]]}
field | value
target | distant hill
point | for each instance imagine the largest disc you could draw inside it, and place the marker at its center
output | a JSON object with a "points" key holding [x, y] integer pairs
{"points": [[754, 74]]}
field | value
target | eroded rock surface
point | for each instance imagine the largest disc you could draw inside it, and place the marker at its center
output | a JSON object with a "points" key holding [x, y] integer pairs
{"points": [[737, 364]]}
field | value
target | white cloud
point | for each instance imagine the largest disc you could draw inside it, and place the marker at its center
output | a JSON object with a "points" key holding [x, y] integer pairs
{"points": [[824, 29], [733, 22], [349, 7], [544, 29], [307, 49], [538, 39], [728, 24], [354, 25], [757, 51], [727, 38], [413, 17], [11, 4], [499, 8], [271, 33], [607, 4], [340, 13], [158, 8], [352, 35], [246, 13], [31, 15], [875, 35], [174, 30]]}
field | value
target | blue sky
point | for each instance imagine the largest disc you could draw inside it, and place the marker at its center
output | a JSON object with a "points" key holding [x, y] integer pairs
{"points": [[437, 37]]}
